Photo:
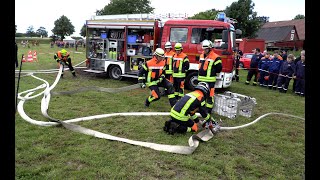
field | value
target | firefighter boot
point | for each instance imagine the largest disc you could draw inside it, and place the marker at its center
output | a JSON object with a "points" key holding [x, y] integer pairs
{"points": [[147, 103], [247, 82], [74, 74]]}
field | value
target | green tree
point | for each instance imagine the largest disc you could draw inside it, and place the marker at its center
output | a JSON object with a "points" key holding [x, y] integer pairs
{"points": [[63, 27], [247, 19], [42, 32], [209, 14], [299, 16], [83, 31], [126, 7], [30, 32]]}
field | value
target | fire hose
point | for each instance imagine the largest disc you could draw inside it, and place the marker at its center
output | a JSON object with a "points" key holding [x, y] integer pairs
{"points": [[193, 142]]}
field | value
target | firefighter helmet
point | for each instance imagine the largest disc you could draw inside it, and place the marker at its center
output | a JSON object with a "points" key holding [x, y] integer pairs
{"points": [[204, 87], [168, 45], [63, 52], [159, 52], [178, 46], [206, 44]]}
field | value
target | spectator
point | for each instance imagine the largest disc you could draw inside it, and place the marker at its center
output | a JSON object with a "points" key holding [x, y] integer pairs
{"points": [[300, 76], [284, 55], [286, 72], [16, 56], [238, 55], [254, 67]]}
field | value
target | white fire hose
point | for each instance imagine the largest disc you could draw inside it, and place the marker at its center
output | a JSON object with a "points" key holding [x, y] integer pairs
{"points": [[193, 141]]}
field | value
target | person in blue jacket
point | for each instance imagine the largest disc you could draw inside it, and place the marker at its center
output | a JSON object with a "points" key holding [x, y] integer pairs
{"points": [[286, 72], [300, 76], [274, 69], [254, 67], [263, 66]]}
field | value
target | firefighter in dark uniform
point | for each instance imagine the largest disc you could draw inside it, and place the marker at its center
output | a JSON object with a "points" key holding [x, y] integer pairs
{"points": [[238, 54], [286, 72], [151, 74], [300, 76], [183, 113], [254, 67], [274, 69], [180, 67], [63, 57], [209, 65]]}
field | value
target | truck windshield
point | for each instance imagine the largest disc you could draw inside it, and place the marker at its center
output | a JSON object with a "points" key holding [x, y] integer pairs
{"points": [[178, 35], [200, 34]]}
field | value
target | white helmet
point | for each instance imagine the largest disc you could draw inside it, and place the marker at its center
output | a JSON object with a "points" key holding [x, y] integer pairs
{"points": [[159, 52], [206, 44], [168, 45]]}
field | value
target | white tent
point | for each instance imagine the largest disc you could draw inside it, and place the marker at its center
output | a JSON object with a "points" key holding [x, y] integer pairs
{"points": [[69, 40]]}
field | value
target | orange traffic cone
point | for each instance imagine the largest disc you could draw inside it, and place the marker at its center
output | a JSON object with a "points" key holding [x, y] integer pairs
{"points": [[24, 59], [35, 58], [30, 59]]}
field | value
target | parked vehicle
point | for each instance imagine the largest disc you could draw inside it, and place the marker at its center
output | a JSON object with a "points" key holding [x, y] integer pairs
{"points": [[118, 44], [245, 60]]}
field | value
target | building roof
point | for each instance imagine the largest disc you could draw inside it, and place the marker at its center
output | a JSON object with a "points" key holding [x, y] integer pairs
{"points": [[274, 34], [299, 23]]}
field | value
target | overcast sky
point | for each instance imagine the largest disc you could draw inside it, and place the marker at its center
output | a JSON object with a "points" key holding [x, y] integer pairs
{"points": [[43, 13]]}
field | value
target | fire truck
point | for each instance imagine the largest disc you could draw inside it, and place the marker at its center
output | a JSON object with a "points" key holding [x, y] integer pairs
{"points": [[118, 44]]}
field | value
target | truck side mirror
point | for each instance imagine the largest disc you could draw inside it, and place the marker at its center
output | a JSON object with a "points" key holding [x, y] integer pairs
{"points": [[225, 36], [224, 46], [238, 32]]}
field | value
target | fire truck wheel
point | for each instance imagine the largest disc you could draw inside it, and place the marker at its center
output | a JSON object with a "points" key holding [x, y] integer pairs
{"points": [[191, 80], [115, 73]]}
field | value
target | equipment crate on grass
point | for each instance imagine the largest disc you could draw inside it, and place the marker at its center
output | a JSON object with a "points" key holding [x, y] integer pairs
{"points": [[232, 104]]}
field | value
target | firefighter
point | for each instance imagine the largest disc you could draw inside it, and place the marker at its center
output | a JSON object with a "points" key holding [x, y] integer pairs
{"points": [[209, 65], [63, 57], [286, 72], [254, 67], [300, 75], [274, 68], [151, 74], [183, 113], [180, 67], [169, 53]]}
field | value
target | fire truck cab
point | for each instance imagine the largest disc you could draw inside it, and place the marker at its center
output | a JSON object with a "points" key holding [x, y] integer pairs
{"points": [[119, 44]]}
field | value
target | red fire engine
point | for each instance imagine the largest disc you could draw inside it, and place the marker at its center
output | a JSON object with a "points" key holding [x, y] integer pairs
{"points": [[118, 44]]}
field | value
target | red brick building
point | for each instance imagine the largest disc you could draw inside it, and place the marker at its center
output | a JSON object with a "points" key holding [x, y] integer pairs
{"points": [[283, 34]]}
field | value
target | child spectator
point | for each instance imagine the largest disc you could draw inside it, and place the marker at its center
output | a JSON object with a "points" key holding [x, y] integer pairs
{"points": [[274, 68], [286, 71], [263, 66], [300, 76]]}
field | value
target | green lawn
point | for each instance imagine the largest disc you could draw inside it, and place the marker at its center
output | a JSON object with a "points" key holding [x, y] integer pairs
{"points": [[273, 148]]}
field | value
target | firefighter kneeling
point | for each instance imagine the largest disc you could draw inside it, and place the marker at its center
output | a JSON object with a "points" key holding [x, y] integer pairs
{"points": [[183, 113], [151, 74]]}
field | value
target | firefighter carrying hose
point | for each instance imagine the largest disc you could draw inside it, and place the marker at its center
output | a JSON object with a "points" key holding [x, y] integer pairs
{"points": [[151, 74], [63, 57], [169, 53], [180, 67], [209, 65], [183, 113]]}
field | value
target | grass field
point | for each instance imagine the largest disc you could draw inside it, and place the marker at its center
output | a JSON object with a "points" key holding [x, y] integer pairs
{"points": [[273, 148]]}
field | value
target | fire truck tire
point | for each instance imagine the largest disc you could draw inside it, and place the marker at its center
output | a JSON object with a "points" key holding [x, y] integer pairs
{"points": [[191, 80], [115, 72]]}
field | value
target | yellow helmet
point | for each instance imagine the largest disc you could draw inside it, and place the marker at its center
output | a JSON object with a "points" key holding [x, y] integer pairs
{"points": [[159, 52], [63, 52], [178, 46]]}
